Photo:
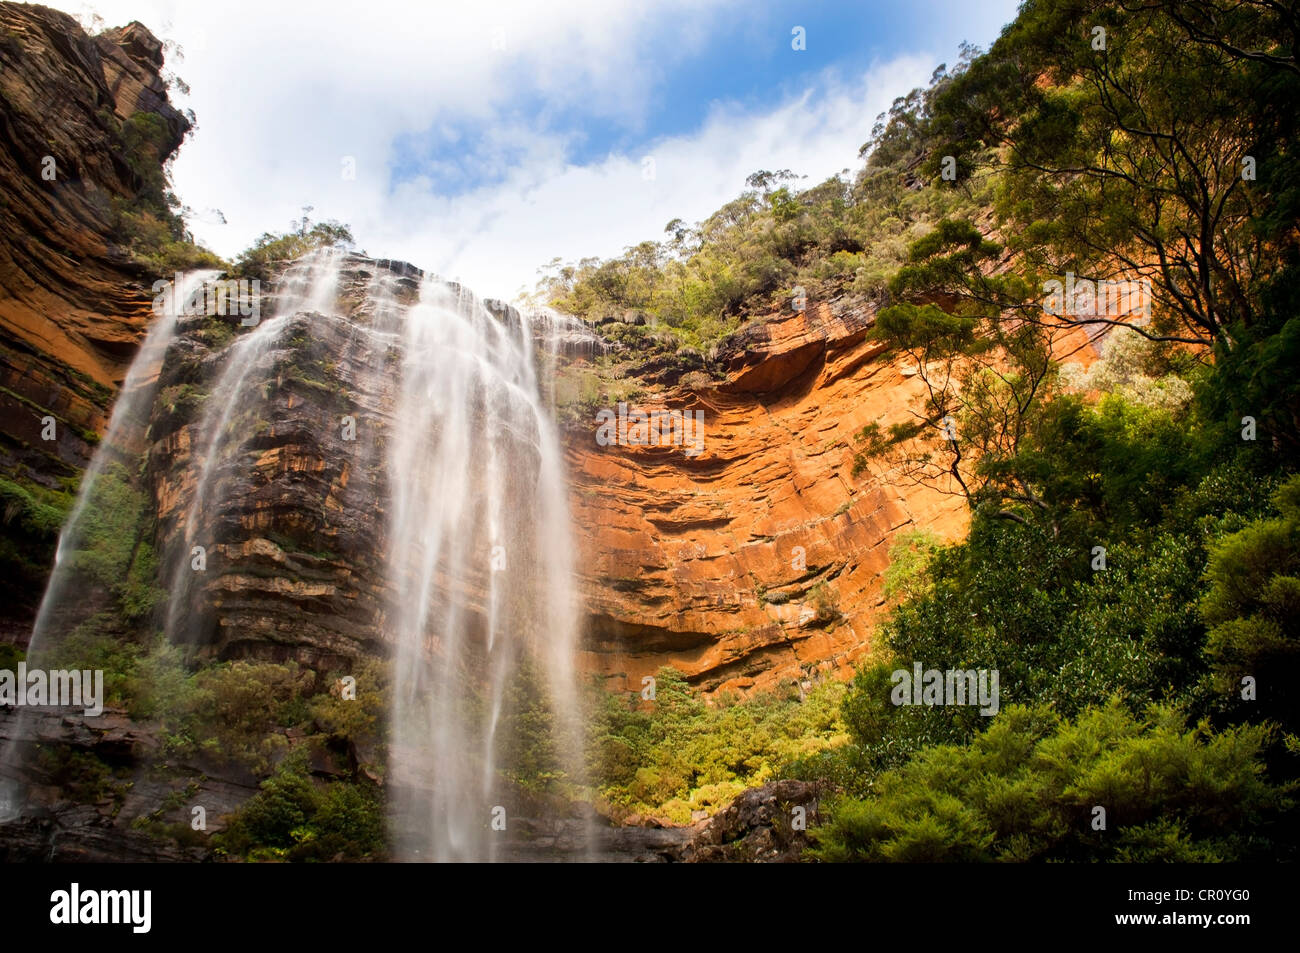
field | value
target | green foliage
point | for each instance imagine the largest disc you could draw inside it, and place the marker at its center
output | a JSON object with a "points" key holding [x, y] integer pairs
{"points": [[184, 400], [238, 711], [295, 818], [31, 516], [582, 390], [10, 656], [528, 750], [159, 685], [1253, 608], [109, 528], [1100, 162], [358, 719], [139, 594], [908, 556], [1025, 597], [98, 643], [1026, 788], [33, 510], [272, 249], [151, 222], [681, 754], [81, 776], [217, 333]]}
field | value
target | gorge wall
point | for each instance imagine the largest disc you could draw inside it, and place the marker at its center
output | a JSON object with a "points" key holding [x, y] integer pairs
{"points": [[74, 305], [758, 561]]}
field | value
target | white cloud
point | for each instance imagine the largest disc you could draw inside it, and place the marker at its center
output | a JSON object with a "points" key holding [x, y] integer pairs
{"points": [[284, 92], [496, 237]]}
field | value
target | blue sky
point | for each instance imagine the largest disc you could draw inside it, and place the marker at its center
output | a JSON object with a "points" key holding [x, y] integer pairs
{"points": [[749, 64], [489, 138]]}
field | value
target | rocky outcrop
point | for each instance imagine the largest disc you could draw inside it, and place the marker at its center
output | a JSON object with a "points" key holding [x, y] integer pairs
{"points": [[294, 513], [757, 561], [73, 305], [95, 790], [768, 824]]}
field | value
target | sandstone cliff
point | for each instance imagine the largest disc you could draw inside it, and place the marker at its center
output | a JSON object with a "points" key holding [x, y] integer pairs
{"points": [[757, 561], [73, 303]]}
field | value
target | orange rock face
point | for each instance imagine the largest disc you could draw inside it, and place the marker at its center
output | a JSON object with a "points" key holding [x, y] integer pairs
{"points": [[759, 560], [73, 305]]}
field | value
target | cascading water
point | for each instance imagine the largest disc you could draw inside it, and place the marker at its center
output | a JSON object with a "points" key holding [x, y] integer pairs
{"points": [[481, 563], [126, 430], [121, 446], [467, 513], [481, 620], [310, 285]]}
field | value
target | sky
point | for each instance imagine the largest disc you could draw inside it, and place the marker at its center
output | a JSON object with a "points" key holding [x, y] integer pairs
{"points": [[481, 140]]}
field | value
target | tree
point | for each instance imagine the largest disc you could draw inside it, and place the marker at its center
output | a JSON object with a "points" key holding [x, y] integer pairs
{"points": [[271, 248], [986, 374], [764, 181], [1253, 608], [1131, 156]]}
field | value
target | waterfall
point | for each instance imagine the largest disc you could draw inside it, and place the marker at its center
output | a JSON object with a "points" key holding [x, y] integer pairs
{"points": [[481, 564], [481, 616], [126, 431], [310, 285], [476, 601], [124, 440]]}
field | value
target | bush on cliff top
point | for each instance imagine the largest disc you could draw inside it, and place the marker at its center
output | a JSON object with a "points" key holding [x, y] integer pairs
{"points": [[258, 260]]}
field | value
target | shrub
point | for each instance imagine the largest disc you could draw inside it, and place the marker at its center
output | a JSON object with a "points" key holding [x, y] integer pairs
{"points": [[1027, 789], [680, 754], [272, 248], [295, 818], [238, 711]]}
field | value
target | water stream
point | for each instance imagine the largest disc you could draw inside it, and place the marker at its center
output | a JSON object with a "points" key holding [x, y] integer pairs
{"points": [[121, 446], [483, 622]]}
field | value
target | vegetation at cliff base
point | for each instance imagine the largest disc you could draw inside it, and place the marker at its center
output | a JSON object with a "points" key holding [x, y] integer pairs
{"points": [[679, 756], [1029, 788]]}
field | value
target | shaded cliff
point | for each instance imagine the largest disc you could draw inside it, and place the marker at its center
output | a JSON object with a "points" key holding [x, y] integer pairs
{"points": [[85, 125], [294, 514]]}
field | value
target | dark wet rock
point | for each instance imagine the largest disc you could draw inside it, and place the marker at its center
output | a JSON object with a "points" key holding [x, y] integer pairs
{"points": [[763, 825]]}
